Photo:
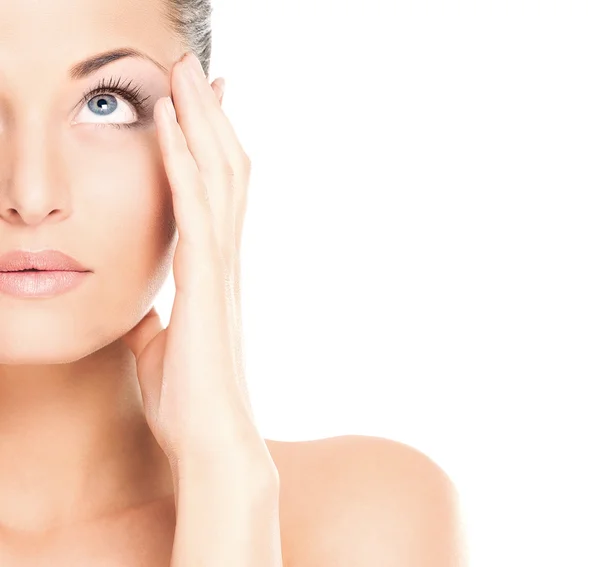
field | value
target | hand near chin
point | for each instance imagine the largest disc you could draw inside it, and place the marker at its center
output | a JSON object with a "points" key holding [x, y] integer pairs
{"points": [[191, 374]]}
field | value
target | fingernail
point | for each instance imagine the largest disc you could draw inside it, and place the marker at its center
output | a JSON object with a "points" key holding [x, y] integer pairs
{"points": [[195, 62]]}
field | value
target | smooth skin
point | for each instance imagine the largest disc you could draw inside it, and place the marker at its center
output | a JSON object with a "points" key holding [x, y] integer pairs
{"points": [[189, 373], [122, 442]]}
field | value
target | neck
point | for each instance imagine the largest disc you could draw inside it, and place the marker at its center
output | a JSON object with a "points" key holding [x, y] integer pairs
{"points": [[74, 442]]}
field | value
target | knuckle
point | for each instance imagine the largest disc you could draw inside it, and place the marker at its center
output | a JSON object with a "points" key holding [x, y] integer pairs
{"points": [[225, 170], [245, 164], [221, 169]]}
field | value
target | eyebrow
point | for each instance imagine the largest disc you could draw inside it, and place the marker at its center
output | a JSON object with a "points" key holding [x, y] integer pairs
{"points": [[92, 64]]}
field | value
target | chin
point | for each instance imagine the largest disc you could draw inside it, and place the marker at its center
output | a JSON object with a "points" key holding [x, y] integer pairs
{"points": [[74, 325], [33, 335]]}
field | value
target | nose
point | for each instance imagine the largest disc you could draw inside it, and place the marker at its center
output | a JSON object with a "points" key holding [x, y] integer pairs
{"points": [[31, 191]]}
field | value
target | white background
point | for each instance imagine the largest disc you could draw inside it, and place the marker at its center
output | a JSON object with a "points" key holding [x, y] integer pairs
{"points": [[421, 247]]}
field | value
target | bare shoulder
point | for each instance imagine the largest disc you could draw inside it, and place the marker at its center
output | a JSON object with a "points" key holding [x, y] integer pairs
{"points": [[358, 501]]}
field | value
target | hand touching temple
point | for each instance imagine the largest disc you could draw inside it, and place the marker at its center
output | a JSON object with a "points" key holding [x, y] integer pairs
{"points": [[123, 442]]}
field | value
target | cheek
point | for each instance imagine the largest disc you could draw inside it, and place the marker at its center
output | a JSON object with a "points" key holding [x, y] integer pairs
{"points": [[122, 226], [127, 186], [133, 230]]}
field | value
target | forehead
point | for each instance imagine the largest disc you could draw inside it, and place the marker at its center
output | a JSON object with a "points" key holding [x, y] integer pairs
{"points": [[63, 31]]}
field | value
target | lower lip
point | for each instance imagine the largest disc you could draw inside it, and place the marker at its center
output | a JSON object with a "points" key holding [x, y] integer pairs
{"points": [[39, 284]]}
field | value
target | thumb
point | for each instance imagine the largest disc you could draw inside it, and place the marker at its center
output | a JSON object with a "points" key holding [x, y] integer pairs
{"points": [[138, 337]]}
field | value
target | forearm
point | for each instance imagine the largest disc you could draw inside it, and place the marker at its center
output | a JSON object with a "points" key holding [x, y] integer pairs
{"points": [[227, 519]]}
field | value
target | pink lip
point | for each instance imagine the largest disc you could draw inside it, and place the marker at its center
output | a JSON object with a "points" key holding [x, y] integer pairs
{"points": [[39, 284], [51, 260], [58, 273]]}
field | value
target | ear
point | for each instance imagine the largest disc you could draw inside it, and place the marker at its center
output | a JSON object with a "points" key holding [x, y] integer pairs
{"points": [[218, 86]]}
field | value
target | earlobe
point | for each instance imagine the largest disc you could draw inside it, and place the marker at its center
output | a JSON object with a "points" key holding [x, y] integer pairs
{"points": [[217, 87]]}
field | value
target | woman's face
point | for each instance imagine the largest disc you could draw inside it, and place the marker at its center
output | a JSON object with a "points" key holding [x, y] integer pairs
{"points": [[72, 180]]}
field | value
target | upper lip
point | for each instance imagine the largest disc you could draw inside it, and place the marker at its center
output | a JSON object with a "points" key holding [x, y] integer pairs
{"points": [[50, 260]]}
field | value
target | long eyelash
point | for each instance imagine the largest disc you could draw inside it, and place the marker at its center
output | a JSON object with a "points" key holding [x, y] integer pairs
{"points": [[131, 93]]}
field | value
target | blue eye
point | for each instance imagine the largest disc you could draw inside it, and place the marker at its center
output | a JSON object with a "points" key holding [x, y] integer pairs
{"points": [[101, 103], [104, 103]]}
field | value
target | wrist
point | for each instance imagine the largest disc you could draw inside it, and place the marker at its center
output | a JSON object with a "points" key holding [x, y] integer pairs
{"points": [[252, 470]]}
